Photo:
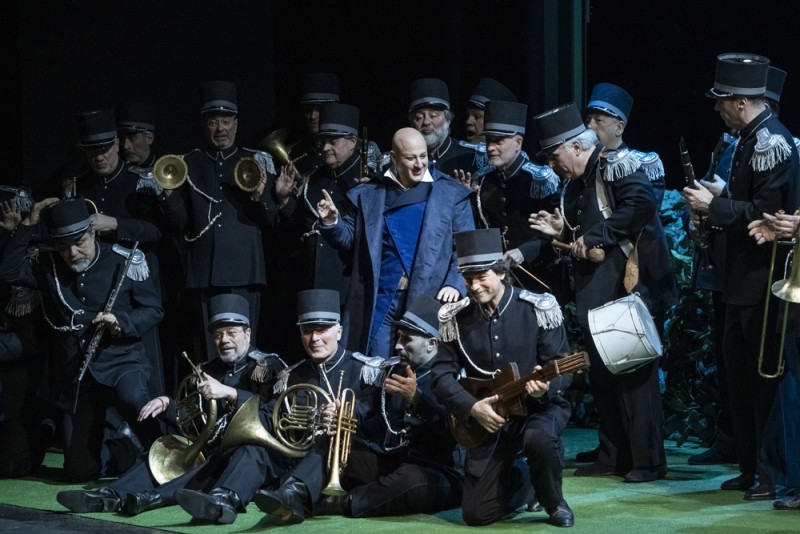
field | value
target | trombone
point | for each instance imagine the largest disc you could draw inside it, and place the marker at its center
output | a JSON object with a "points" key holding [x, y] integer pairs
{"points": [[339, 451]]}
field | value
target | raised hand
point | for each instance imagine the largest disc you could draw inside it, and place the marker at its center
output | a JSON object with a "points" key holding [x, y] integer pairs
{"points": [[12, 216], [327, 210]]}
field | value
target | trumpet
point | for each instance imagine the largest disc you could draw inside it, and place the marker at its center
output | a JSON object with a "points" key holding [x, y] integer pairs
{"points": [[339, 452]]}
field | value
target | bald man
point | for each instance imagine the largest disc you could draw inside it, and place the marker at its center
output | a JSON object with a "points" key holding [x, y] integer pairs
{"points": [[401, 241]]}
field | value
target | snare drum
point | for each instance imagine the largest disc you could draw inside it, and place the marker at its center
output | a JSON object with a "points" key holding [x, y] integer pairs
{"points": [[625, 334]]}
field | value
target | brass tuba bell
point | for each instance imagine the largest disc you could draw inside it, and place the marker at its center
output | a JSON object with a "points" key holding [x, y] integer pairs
{"points": [[248, 174], [275, 145], [170, 171]]}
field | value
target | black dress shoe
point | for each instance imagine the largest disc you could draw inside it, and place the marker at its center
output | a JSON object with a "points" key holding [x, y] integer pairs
{"points": [[561, 516], [219, 506], [100, 500], [789, 503], [588, 456], [136, 503], [333, 505], [126, 432], [712, 456], [286, 504], [761, 492], [534, 506], [596, 470], [743, 482], [648, 474]]}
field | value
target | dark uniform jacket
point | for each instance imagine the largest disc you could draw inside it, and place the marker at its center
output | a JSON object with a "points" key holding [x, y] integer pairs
{"points": [[227, 252], [451, 156], [137, 308]]}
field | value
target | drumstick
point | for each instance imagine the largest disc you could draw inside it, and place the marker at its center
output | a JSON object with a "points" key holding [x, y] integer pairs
{"points": [[596, 255]]}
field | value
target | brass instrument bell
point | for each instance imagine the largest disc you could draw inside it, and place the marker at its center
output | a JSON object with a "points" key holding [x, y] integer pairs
{"points": [[170, 171], [249, 174]]}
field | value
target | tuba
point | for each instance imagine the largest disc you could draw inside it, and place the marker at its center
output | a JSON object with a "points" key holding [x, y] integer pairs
{"points": [[170, 171], [339, 451], [295, 421], [249, 174], [172, 455]]}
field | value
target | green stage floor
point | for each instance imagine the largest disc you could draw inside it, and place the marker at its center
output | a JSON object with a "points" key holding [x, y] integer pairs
{"points": [[688, 501]]}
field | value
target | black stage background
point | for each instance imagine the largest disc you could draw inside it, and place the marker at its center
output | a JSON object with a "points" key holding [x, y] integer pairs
{"points": [[69, 56]]}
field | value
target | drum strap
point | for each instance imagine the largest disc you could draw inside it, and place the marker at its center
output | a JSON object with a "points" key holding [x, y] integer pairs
{"points": [[605, 209]]}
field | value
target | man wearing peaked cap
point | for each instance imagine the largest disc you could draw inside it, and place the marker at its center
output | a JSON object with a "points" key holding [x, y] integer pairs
{"points": [[75, 281], [512, 190], [429, 113], [631, 438], [486, 90], [136, 125], [496, 326], [219, 222], [763, 180]]}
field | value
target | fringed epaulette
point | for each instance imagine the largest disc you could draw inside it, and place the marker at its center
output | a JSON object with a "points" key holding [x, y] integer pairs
{"points": [[147, 181], [544, 182], [262, 372], [447, 318], [477, 147], [770, 150], [21, 197], [482, 171], [548, 312], [374, 156], [23, 301], [796, 142], [652, 165], [139, 270], [266, 160], [283, 378], [371, 370], [617, 164]]}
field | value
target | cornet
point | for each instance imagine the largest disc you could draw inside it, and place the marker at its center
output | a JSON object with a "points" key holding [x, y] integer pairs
{"points": [[339, 451]]}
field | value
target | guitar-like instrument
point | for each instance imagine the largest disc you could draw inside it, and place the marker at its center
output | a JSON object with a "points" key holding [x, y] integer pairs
{"points": [[510, 387]]}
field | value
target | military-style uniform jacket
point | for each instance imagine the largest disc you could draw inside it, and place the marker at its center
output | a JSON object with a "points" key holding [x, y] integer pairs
{"points": [[764, 179], [219, 222], [634, 217], [121, 195], [71, 300], [527, 328], [451, 156]]}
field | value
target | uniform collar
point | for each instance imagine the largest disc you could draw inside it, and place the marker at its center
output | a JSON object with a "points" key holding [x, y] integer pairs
{"points": [[513, 169], [354, 159], [755, 123], [442, 149], [221, 154], [107, 179]]}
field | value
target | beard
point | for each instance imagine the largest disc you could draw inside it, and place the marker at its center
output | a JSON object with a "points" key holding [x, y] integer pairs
{"points": [[434, 139], [80, 266]]}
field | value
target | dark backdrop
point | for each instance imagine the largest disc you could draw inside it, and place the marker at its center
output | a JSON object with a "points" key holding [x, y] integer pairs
{"points": [[77, 55]]}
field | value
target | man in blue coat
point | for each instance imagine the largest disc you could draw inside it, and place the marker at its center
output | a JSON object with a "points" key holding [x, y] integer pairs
{"points": [[401, 238]]}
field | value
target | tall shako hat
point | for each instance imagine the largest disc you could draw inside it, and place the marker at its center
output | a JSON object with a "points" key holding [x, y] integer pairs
{"points": [[219, 97], [96, 128], [504, 119], [228, 308], [490, 89], [556, 126], [478, 250], [612, 100], [739, 75], [775, 79], [337, 119], [319, 87], [428, 92], [67, 218], [422, 316], [318, 306], [136, 117]]}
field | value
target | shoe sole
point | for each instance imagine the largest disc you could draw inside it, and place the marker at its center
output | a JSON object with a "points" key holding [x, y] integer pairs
{"points": [[275, 508], [198, 506]]}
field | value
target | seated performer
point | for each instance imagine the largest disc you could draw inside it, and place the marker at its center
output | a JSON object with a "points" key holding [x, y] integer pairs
{"points": [[497, 325], [403, 458], [237, 372]]}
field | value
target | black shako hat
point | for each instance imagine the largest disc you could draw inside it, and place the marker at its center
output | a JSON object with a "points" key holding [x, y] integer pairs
{"points": [[96, 128], [556, 126], [422, 316], [739, 75], [775, 79], [319, 87], [337, 119], [478, 250], [318, 306], [504, 119], [219, 97], [136, 117], [228, 308], [67, 218], [490, 89], [612, 100], [428, 93]]}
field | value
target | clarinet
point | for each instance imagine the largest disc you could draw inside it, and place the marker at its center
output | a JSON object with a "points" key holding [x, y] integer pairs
{"points": [[91, 348]]}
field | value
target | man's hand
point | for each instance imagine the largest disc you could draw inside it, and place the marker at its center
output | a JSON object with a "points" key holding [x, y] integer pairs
{"points": [[579, 249], [330, 417], [284, 185], [547, 223], [715, 185], [328, 213], [536, 388], [35, 215], [153, 408], [770, 228], [761, 230], [465, 179], [211, 388], [448, 294], [103, 223], [483, 412], [514, 257], [109, 320], [12, 216], [406, 386], [698, 198]]}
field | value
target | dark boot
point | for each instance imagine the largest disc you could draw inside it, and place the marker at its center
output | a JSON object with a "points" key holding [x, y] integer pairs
{"points": [[286, 504], [333, 505], [136, 503], [218, 506], [100, 500]]}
